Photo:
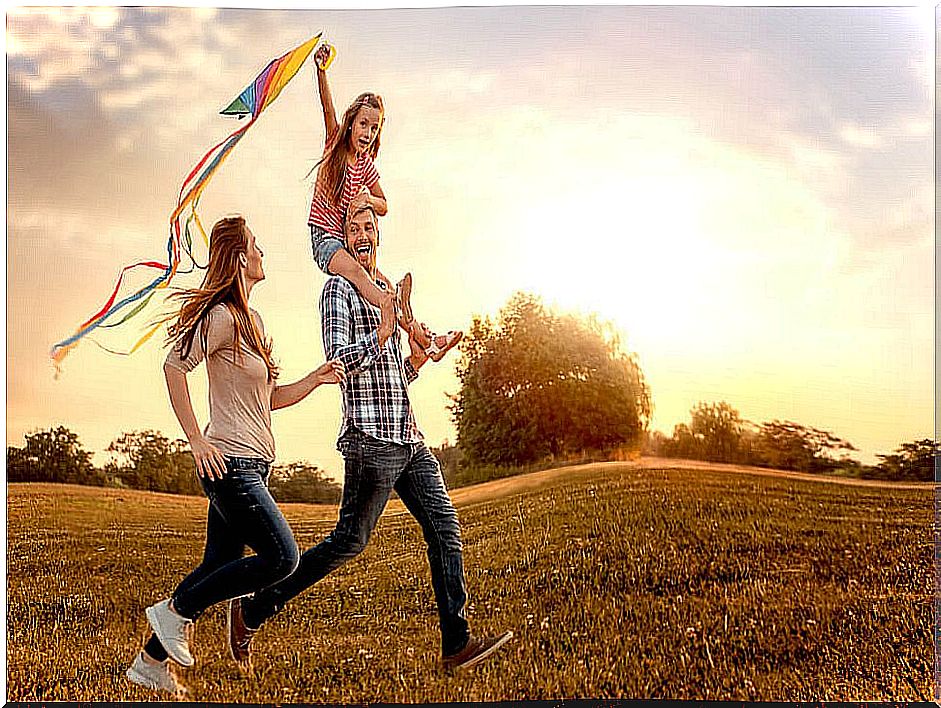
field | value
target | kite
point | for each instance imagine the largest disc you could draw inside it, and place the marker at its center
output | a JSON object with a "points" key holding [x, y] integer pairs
{"points": [[260, 94]]}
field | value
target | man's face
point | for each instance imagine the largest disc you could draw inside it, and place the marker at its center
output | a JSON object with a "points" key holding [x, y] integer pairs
{"points": [[362, 239]]}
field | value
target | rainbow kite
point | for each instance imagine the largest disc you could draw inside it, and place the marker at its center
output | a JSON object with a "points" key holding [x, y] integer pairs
{"points": [[252, 101]]}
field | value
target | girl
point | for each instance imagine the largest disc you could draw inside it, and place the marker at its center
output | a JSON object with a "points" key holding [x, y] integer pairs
{"points": [[346, 179], [234, 453]]}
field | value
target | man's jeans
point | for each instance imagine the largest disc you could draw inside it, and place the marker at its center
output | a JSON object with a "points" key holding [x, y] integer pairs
{"points": [[373, 469], [241, 513]]}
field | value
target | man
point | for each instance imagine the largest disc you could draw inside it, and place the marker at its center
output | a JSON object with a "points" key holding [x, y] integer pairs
{"points": [[382, 450]]}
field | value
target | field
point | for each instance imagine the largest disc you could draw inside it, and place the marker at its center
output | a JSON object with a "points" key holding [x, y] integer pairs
{"points": [[619, 580]]}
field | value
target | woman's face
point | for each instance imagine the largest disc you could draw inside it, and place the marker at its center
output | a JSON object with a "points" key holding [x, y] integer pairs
{"points": [[254, 269], [365, 128]]}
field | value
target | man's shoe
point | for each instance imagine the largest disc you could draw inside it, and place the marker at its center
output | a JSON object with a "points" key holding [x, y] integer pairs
{"points": [[475, 651], [172, 630], [155, 676], [239, 635]]}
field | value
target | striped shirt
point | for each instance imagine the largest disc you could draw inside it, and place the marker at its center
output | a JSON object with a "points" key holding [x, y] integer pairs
{"points": [[375, 395], [329, 216]]}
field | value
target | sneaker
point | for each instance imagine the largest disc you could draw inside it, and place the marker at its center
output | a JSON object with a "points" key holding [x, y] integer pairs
{"points": [[475, 651], [154, 676], [172, 630], [239, 635]]}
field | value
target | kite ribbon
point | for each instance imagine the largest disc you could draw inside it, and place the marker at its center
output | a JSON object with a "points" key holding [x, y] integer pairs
{"points": [[259, 94]]}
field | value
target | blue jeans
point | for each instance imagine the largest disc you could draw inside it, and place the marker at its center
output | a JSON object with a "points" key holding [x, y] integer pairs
{"points": [[373, 468], [324, 246], [242, 513]]}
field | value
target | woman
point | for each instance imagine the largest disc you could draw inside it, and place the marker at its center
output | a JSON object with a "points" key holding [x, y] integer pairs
{"points": [[234, 454]]}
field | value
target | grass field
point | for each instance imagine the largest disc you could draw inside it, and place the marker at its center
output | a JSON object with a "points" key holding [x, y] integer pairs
{"points": [[618, 582]]}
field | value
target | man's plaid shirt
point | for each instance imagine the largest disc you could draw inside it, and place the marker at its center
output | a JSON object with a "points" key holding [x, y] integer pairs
{"points": [[375, 395]]}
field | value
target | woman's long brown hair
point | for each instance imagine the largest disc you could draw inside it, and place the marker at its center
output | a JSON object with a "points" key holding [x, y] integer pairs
{"points": [[332, 172], [221, 284]]}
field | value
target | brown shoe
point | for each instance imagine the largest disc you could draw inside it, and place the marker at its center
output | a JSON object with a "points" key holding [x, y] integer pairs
{"points": [[441, 344], [239, 636], [475, 651]]}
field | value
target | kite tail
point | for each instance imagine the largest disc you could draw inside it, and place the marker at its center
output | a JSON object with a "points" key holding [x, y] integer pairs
{"points": [[251, 102]]}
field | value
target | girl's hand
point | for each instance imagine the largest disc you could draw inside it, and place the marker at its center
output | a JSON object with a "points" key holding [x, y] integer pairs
{"points": [[332, 372], [210, 462], [321, 56], [361, 199]]}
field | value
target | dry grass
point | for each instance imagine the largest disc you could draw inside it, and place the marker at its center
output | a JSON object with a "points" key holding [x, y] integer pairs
{"points": [[618, 582]]}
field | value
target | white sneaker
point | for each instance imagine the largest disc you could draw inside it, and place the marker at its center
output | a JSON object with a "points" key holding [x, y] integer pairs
{"points": [[172, 631], [154, 676]]}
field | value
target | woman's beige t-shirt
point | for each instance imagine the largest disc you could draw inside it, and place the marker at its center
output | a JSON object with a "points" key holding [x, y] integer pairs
{"points": [[239, 389]]}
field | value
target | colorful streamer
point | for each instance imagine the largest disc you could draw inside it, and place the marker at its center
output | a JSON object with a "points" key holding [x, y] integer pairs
{"points": [[260, 94]]}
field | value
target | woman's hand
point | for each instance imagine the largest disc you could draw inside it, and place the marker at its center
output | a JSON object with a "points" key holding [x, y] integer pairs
{"points": [[331, 372], [210, 462]]}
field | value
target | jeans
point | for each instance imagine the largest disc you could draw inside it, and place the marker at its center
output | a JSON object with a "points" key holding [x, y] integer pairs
{"points": [[373, 468], [242, 513]]}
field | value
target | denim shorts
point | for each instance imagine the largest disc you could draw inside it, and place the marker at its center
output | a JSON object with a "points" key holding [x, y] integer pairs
{"points": [[324, 245]]}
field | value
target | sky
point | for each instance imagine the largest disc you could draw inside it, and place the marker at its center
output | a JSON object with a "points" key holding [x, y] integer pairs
{"points": [[745, 193]]}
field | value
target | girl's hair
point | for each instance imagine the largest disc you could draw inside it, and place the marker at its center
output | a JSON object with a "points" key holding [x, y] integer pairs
{"points": [[332, 172], [221, 284]]}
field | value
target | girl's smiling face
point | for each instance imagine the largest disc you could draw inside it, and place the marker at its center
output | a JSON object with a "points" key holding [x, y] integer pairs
{"points": [[365, 128]]}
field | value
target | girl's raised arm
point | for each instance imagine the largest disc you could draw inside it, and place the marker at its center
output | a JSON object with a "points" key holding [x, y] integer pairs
{"points": [[326, 99]]}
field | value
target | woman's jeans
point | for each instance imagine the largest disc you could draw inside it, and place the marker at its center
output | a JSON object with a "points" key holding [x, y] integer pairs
{"points": [[373, 468], [242, 513]]}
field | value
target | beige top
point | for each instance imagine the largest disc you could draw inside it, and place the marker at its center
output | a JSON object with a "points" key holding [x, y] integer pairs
{"points": [[239, 390]]}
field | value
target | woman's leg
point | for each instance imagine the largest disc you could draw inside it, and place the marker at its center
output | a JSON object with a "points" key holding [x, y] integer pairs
{"points": [[243, 500], [223, 545]]}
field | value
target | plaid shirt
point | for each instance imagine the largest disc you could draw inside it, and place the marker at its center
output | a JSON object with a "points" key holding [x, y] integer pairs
{"points": [[375, 395]]}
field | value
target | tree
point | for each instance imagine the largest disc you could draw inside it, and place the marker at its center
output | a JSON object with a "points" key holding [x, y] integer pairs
{"points": [[791, 446], [153, 462], [718, 429], [52, 456], [303, 483], [537, 383], [916, 460]]}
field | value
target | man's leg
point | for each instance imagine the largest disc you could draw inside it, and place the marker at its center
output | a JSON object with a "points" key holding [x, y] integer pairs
{"points": [[422, 490], [370, 470]]}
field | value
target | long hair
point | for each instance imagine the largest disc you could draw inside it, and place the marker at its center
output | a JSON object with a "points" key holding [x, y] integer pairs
{"points": [[221, 284], [332, 166]]}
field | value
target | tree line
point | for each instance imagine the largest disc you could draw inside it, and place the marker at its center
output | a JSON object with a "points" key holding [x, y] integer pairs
{"points": [[716, 432], [537, 388], [147, 460]]}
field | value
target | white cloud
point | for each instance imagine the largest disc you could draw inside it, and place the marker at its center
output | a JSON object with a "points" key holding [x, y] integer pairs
{"points": [[861, 136]]}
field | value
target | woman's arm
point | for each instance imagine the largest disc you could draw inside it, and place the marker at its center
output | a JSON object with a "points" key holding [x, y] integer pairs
{"points": [[326, 99], [330, 373], [209, 460]]}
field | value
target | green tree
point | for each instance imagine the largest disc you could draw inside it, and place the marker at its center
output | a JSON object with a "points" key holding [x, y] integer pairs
{"points": [[152, 462], [537, 383], [54, 455], [303, 483], [718, 429], [916, 461], [791, 446]]}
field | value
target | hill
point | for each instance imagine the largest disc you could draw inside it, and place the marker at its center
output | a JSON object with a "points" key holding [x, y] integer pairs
{"points": [[620, 580]]}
